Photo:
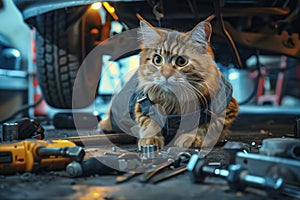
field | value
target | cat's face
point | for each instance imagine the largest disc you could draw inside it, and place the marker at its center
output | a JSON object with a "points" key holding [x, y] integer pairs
{"points": [[173, 60]]}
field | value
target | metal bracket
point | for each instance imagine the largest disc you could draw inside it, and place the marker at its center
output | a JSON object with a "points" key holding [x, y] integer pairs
{"points": [[262, 165]]}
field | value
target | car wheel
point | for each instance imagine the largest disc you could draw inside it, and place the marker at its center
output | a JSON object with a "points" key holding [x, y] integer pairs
{"points": [[60, 49]]}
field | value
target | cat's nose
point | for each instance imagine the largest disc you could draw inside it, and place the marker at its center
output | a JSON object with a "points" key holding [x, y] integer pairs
{"points": [[167, 72], [167, 75]]}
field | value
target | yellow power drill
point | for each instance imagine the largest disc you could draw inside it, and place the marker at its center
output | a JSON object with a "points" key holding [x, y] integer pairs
{"points": [[32, 155]]}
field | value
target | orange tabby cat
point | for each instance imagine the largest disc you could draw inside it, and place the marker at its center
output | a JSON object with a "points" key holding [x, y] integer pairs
{"points": [[181, 94]]}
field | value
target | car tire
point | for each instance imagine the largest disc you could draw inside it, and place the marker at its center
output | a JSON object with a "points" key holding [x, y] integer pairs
{"points": [[60, 49]]}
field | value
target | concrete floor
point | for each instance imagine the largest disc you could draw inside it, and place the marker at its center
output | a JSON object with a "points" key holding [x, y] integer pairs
{"points": [[58, 185]]}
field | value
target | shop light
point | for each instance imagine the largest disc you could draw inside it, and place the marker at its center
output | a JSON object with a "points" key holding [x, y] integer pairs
{"points": [[96, 6]]}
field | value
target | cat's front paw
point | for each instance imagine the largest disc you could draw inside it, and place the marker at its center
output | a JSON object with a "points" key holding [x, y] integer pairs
{"points": [[156, 140], [188, 140], [185, 140]]}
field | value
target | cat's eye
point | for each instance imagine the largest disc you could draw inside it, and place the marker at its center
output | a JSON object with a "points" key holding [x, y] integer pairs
{"points": [[157, 60], [181, 61]]}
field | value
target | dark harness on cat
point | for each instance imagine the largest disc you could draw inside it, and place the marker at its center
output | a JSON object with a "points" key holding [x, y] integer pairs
{"points": [[172, 123]]}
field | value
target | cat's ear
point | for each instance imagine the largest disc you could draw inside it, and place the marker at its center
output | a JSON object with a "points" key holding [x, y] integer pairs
{"points": [[201, 32], [147, 33]]}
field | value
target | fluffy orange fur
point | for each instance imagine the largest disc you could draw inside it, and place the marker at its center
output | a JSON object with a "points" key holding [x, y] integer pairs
{"points": [[178, 73]]}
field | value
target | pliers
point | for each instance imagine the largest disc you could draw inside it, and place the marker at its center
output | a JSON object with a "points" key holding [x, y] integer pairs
{"points": [[180, 162]]}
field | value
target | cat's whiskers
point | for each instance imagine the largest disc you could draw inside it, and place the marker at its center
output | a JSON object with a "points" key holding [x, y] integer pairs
{"points": [[197, 80], [186, 89], [191, 100], [201, 96], [209, 88], [203, 86]]}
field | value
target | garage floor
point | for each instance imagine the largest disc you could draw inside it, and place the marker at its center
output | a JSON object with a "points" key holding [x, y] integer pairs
{"points": [[57, 185]]}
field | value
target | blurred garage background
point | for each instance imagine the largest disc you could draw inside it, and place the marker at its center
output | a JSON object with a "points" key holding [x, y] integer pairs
{"points": [[42, 45]]}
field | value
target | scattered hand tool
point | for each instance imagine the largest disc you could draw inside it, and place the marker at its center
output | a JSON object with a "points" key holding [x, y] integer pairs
{"points": [[102, 139], [22, 129], [89, 167], [182, 158], [254, 170], [125, 177], [31, 155], [169, 174], [232, 147], [148, 175]]}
